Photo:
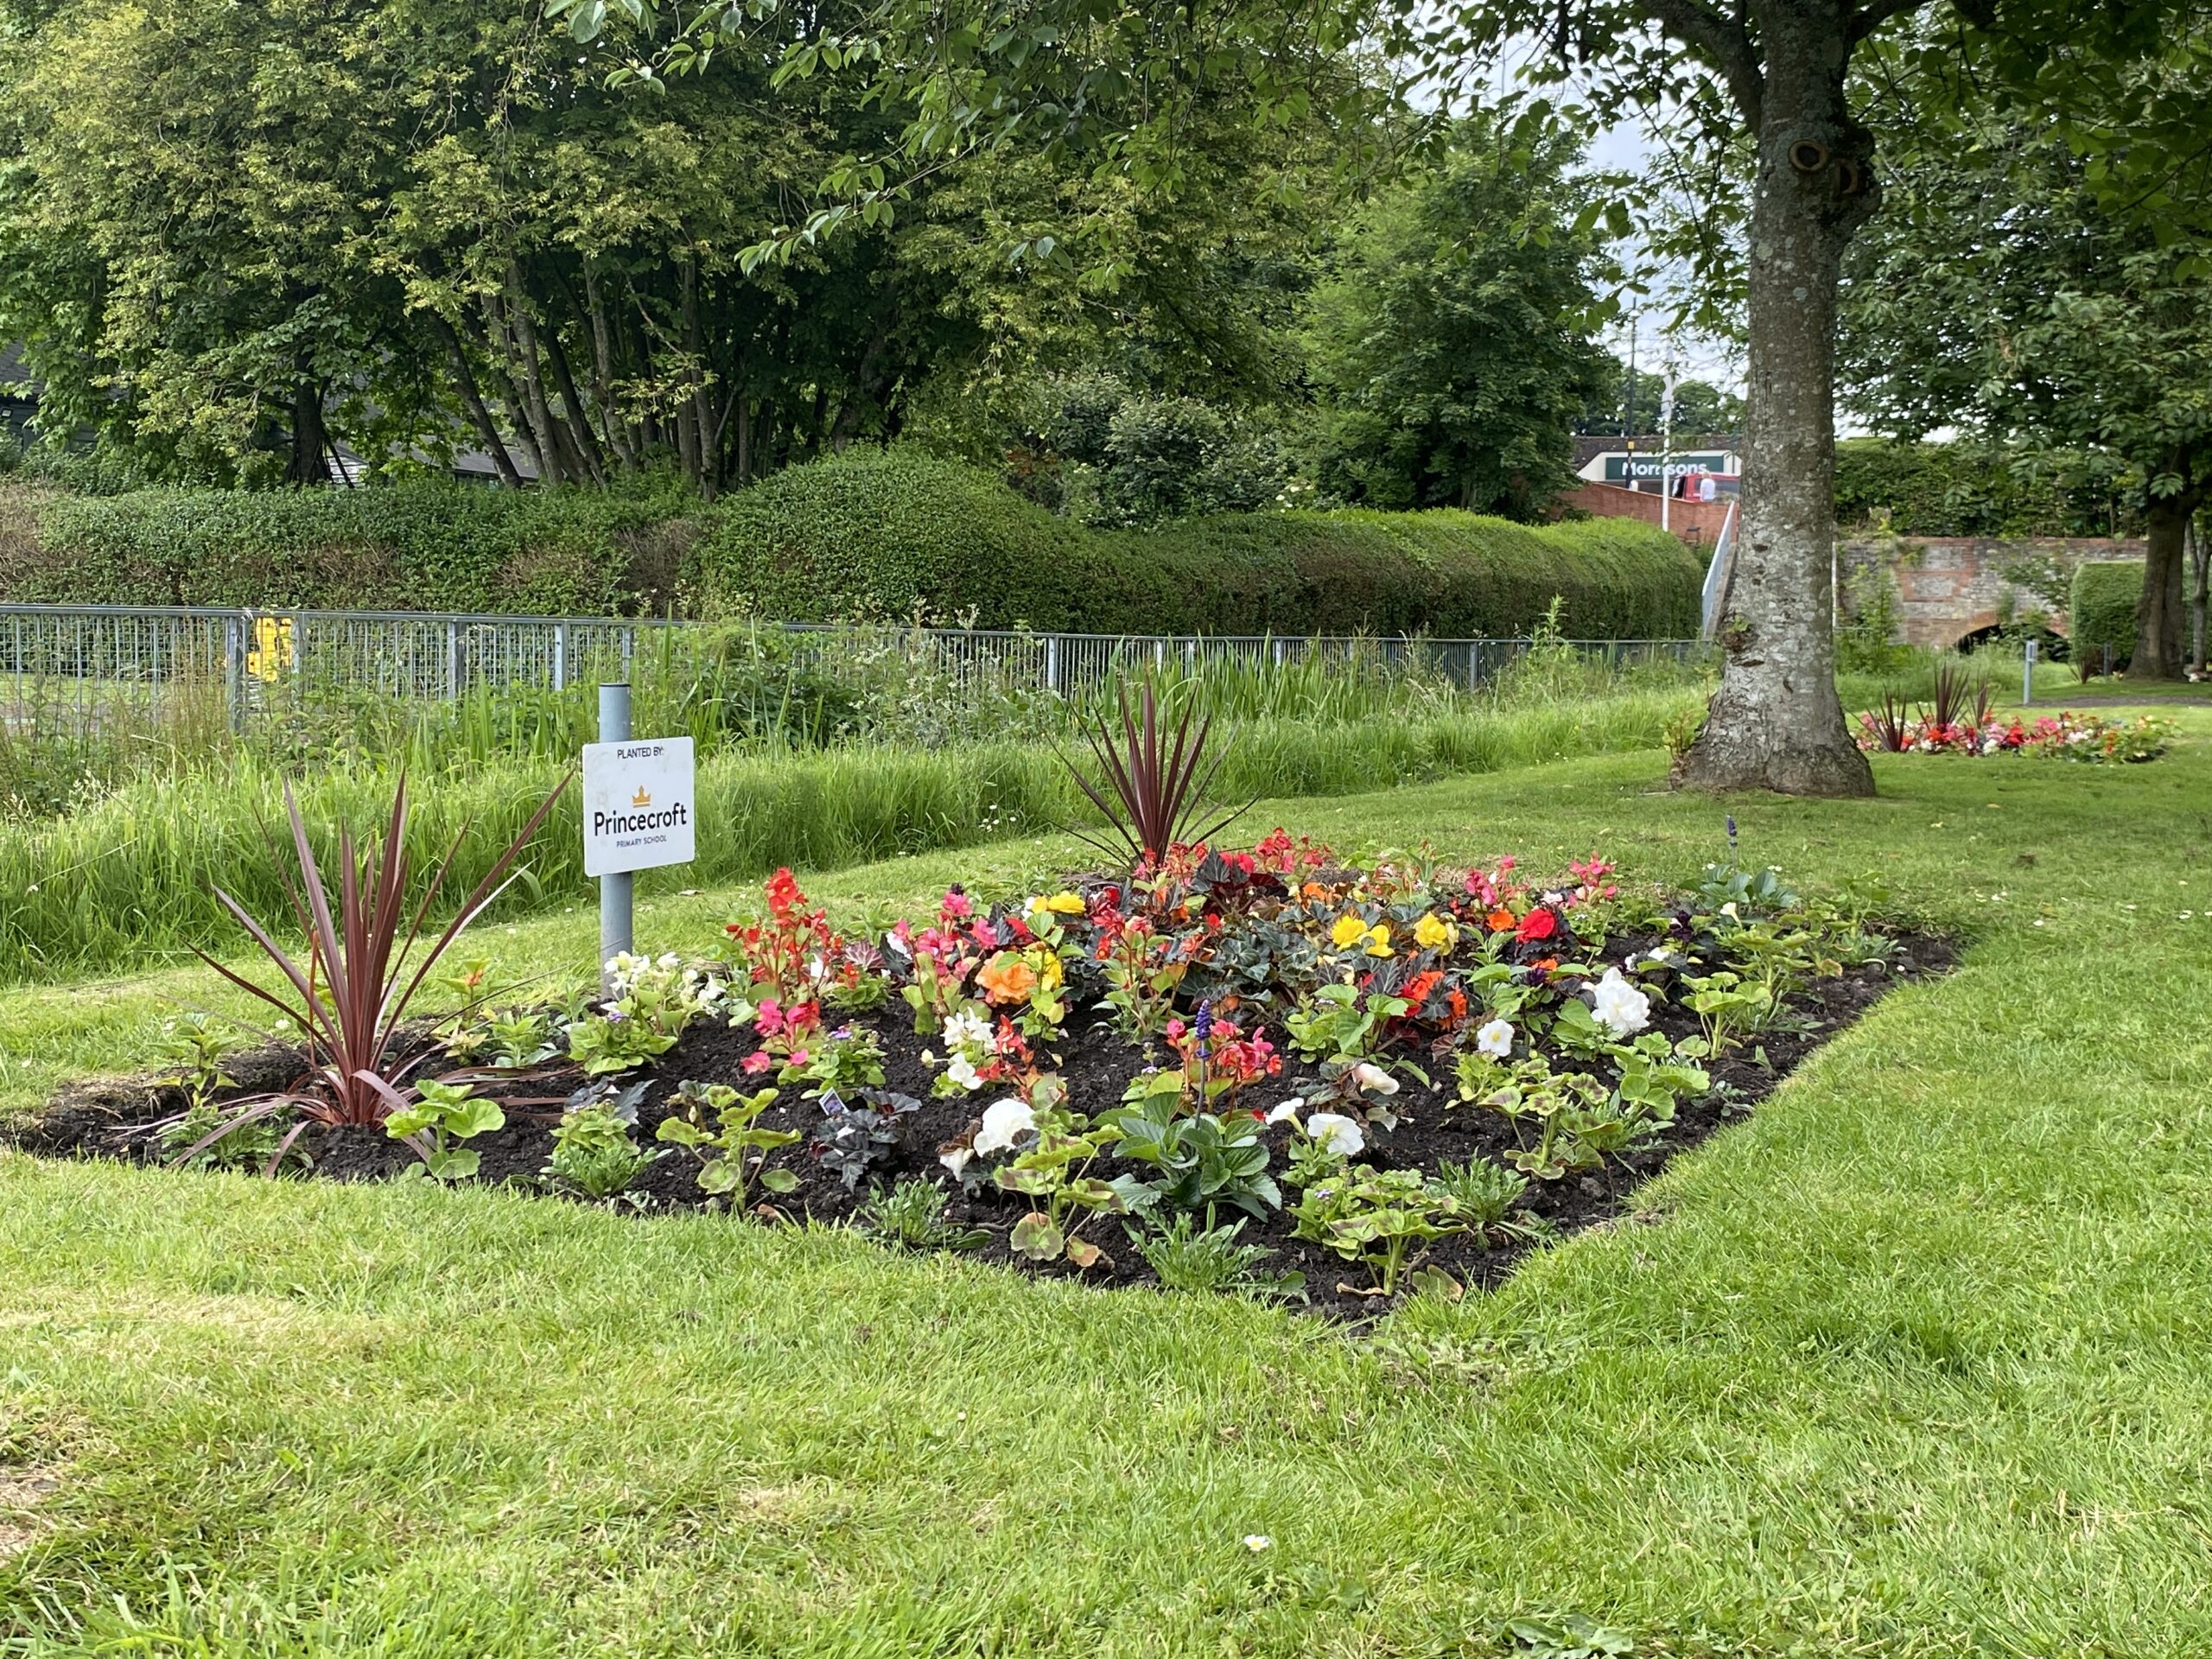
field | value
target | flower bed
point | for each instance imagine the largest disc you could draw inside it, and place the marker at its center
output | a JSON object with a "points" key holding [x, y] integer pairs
{"points": [[2062, 736], [1271, 1072]]}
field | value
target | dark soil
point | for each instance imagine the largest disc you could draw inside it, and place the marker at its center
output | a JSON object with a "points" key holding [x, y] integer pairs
{"points": [[111, 1119]]}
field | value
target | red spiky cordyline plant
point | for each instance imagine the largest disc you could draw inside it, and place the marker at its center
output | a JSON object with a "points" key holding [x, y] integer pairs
{"points": [[1889, 726], [1153, 790], [1950, 696], [351, 995]]}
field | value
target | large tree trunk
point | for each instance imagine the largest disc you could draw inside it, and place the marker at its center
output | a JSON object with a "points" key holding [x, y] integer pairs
{"points": [[2200, 558], [310, 440], [2160, 613], [1777, 721], [472, 399]]}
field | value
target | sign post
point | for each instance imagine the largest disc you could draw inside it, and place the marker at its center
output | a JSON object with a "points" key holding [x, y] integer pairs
{"points": [[2028, 676], [639, 812]]}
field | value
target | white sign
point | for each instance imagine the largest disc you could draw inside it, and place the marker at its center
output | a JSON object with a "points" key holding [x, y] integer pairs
{"points": [[640, 809]]}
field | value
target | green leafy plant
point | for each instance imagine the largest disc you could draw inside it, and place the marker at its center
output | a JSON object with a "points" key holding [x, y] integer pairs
{"points": [[192, 1048], [1343, 1021], [1054, 1172], [595, 1154], [1204, 1160], [1726, 1007], [720, 1127], [441, 1115], [841, 1065], [520, 1037], [1562, 1104], [1377, 1216], [351, 997], [912, 1215], [650, 1003], [1750, 892], [1484, 1191]]}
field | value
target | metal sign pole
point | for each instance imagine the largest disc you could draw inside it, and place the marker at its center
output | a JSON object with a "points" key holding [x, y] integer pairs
{"points": [[614, 891], [2028, 676]]}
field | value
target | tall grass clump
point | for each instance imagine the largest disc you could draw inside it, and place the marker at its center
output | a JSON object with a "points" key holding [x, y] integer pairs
{"points": [[129, 877]]}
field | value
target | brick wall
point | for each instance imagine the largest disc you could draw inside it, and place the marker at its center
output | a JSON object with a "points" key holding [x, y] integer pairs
{"points": [[1953, 586], [1695, 521]]}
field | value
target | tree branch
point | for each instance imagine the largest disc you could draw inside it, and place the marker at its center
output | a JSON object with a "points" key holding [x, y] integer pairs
{"points": [[1875, 13], [1723, 44]]}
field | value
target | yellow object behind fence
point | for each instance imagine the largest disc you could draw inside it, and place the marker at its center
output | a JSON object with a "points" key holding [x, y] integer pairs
{"points": [[271, 653]]}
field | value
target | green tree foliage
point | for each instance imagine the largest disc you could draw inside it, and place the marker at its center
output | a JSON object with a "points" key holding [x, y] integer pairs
{"points": [[2004, 293], [236, 235], [1450, 338], [1973, 488], [1094, 449], [1700, 408]]}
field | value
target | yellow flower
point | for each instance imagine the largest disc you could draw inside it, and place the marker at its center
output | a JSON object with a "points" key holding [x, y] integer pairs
{"points": [[1349, 930], [1065, 902], [1379, 939], [1053, 974], [1433, 932]]}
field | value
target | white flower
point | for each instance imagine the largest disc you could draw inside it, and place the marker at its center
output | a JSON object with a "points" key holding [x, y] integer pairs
{"points": [[956, 1160], [1374, 1079], [1256, 1542], [962, 1070], [967, 1029], [1004, 1121], [1339, 1134], [1495, 1038], [1287, 1109], [1620, 1008]]}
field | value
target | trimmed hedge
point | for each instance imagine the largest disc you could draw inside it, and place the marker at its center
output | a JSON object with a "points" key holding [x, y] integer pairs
{"points": [[433, 546], [2105, 593], [869, 534], [887, 532]]}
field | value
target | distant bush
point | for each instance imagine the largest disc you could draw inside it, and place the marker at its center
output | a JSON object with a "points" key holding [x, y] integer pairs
{"points": [[2103, 611], [432, 546], [885, 533]]}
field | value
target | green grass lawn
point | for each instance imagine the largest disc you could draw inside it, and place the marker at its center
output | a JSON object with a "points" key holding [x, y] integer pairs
{"points": [[1911, 1363]]}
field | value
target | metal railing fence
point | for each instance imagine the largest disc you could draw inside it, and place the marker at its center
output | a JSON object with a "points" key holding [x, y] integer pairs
{"points": [[79, 667]]}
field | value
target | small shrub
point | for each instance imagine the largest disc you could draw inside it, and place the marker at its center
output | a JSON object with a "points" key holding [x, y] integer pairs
{"points": [[2102, 615], [595, 1154]]}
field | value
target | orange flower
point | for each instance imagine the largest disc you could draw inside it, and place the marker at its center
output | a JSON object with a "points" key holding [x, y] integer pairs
{"points": [[1007, 978], [1502, 920]]}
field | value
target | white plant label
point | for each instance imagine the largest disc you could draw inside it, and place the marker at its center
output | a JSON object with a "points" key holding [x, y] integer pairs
{"points": [[640, 805]]}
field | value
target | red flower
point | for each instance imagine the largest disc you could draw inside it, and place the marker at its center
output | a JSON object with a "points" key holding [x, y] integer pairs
{"points": [[1539, 924]]}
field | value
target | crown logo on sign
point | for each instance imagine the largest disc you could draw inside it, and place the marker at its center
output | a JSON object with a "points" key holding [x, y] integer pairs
{"points": [[641, 798]]}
